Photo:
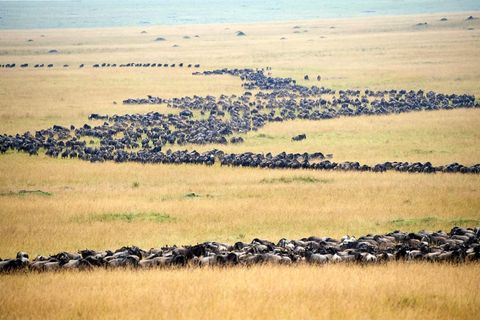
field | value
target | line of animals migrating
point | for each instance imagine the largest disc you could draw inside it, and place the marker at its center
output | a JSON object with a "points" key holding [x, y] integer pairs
{"points": [[142, 137], [460, 245], [103, 65]]}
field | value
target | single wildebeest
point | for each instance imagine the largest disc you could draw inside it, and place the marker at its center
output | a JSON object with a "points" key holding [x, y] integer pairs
{"points": [[299, 137]]}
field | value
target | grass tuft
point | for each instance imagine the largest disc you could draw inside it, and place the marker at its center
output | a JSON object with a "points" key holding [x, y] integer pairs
{"points": [[27, 192], [192, 195]]}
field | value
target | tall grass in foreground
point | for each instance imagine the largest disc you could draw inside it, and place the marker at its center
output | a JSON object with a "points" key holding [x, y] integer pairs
{"points": [[393, 291], [71, 205]]}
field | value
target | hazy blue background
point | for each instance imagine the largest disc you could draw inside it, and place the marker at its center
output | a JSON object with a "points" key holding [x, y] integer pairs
{"points": [[114, 13]]}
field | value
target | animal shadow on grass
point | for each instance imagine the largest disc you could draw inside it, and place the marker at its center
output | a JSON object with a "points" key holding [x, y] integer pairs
{"points": [[300, 179]]}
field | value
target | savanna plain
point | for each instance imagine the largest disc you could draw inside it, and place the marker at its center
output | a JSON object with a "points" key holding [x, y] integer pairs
{"points": [[78, 205]]}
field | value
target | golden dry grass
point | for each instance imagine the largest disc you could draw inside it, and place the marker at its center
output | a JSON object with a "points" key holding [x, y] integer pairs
{"points": [[108, 205], [232, 204], [399, 291], [440, 137], [36, 99], [376, 53]]}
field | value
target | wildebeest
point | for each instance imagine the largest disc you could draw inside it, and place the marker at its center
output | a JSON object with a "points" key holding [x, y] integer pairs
{"points": [[227, 116], [459, 245], [299, 137]]}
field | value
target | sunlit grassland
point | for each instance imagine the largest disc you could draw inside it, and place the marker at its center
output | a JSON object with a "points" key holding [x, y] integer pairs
{"points": [[400, 291], [37, 99], [108, 205], [376, 53], [440, 137], [50, 205]]}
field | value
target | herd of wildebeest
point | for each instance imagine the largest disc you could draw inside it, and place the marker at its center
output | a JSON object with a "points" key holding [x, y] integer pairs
{"points": [[102, 65], [145, 137], [457, 246], [226, 119]]}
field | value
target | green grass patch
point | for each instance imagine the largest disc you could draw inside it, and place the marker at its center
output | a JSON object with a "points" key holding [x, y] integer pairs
{"points": [[264, 136], [411, 222], [419, 151], [465, 221], [27, 192], [432, 221], [130, 217], [299, 179]]}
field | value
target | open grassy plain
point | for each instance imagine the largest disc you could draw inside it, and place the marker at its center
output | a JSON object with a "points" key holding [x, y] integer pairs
{"points": [[107, 205], [375, 53], [400, 291]]}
